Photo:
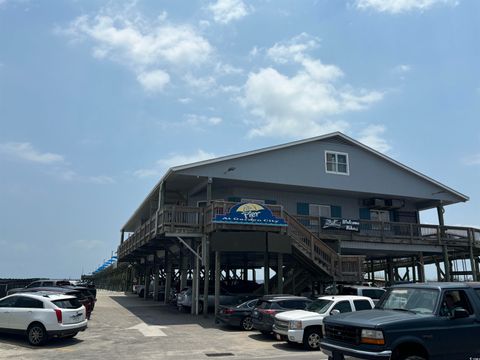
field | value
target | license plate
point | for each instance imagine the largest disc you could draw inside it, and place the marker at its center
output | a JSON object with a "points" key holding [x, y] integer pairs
{"points": [[279, 337]]}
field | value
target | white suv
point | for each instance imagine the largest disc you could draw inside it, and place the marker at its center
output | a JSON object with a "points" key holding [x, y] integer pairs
{"points": [[42, 315], [305, 326]]}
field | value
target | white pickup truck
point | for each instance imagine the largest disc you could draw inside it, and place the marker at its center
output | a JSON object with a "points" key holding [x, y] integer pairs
{"points": [[305, 326]]}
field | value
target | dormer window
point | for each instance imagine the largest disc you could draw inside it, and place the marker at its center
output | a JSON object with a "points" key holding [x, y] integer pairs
{"points": [[336, 163]]}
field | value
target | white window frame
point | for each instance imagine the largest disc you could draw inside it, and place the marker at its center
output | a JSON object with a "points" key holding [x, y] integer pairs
{"points": [[336, 163], [319, 208], [315, 219]]}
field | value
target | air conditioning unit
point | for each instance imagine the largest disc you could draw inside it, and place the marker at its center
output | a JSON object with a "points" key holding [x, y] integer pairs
{"points": [[374, 203], [394, 203]]}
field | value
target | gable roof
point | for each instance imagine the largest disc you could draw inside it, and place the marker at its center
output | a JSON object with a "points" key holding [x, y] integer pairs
{"points": [[313, 139], [337, 134]]}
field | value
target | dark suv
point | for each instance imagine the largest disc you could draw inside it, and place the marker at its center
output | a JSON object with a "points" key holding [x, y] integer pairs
{"points": [[263, 316], [411, 322]]}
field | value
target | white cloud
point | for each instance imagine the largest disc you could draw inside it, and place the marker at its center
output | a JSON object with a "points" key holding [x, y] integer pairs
{"points": [[472, 159], [402, 68], [151, 50], [54, 164], [401, 6], [303, 104], [185, 100], [227, 69], [372, 136], [153, 81], [254, 52], [174, 159], [204, 85], [225, 11], [195, 120], [294, 49], [26, 151]]}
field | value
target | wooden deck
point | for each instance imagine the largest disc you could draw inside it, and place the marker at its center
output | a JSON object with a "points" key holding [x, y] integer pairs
{"points": [[306, 232], [398, 233]]}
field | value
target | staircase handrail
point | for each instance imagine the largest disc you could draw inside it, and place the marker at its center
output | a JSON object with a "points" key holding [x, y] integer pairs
{"points": [[317, 250]]}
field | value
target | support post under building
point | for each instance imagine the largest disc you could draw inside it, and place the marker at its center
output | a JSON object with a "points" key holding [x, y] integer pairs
{"points": [[446, 260], [206, 260], [266, 267], [217, 280], [280, 274], [183, 268], [168, 275], [156, 276]]}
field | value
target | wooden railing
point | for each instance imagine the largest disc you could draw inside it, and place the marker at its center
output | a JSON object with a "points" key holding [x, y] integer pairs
{"points": [[180, 219], [396, 232], [310, 245], [171, 218], [338, 266], [306, 230]]}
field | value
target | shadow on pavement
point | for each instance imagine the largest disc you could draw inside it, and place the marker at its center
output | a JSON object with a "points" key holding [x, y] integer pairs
{"points": [[262, 337], [156, 313], [290, 347], [21, 340]]}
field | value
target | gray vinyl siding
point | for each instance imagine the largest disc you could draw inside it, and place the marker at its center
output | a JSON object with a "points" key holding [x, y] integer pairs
{"points": [[304, 165], [350, 205]]}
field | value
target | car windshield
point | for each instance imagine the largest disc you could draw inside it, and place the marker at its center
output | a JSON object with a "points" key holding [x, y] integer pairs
{"points": [[319, 306], [420, 301], [250, 304]]}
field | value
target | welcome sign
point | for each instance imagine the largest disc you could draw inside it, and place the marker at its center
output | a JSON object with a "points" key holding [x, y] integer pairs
{"points": [[249, 214], [341, 224]]}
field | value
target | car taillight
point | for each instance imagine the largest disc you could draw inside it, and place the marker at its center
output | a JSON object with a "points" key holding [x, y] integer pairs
{"points": [[228, 311], [268, 311], [58, 312]]}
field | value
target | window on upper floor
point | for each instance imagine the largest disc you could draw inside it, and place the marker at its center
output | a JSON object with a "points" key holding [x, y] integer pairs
{"points": [[336, 163], [319, 210]]}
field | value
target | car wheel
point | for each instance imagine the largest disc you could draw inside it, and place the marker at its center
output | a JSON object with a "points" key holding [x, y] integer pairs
{"points": [[200, 307], [36, 334], [141, 293], [247, 323], [311, 339]]}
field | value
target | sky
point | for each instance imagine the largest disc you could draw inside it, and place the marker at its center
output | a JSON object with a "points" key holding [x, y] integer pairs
{"points": [[99, 98]]}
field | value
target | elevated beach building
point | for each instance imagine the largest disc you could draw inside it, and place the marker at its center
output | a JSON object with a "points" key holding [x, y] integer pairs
{"points": [[316, 211]]}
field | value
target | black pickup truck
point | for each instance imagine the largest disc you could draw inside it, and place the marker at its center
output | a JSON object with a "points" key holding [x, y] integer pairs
{"points": [[411, 322]]}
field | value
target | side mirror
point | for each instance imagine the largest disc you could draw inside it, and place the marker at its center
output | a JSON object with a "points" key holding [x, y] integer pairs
{"points": [[334, 312], [460, 314]]}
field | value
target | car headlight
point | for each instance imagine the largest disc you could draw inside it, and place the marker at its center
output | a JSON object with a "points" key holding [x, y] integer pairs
{"points": [[374, 337], [295, 325]]}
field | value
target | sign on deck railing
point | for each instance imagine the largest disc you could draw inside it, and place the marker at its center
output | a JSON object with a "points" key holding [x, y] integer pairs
{"points": [[249, 214], [340, 224]]}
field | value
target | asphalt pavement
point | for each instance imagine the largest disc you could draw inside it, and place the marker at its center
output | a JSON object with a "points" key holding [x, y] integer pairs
{"points": [[127, 327]]}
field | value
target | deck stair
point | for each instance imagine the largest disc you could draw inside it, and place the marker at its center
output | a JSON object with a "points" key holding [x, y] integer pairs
{"points": [[318, 257]]}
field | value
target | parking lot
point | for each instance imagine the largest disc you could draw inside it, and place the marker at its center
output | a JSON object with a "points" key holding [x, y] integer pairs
{"points": [[125, 326]]}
